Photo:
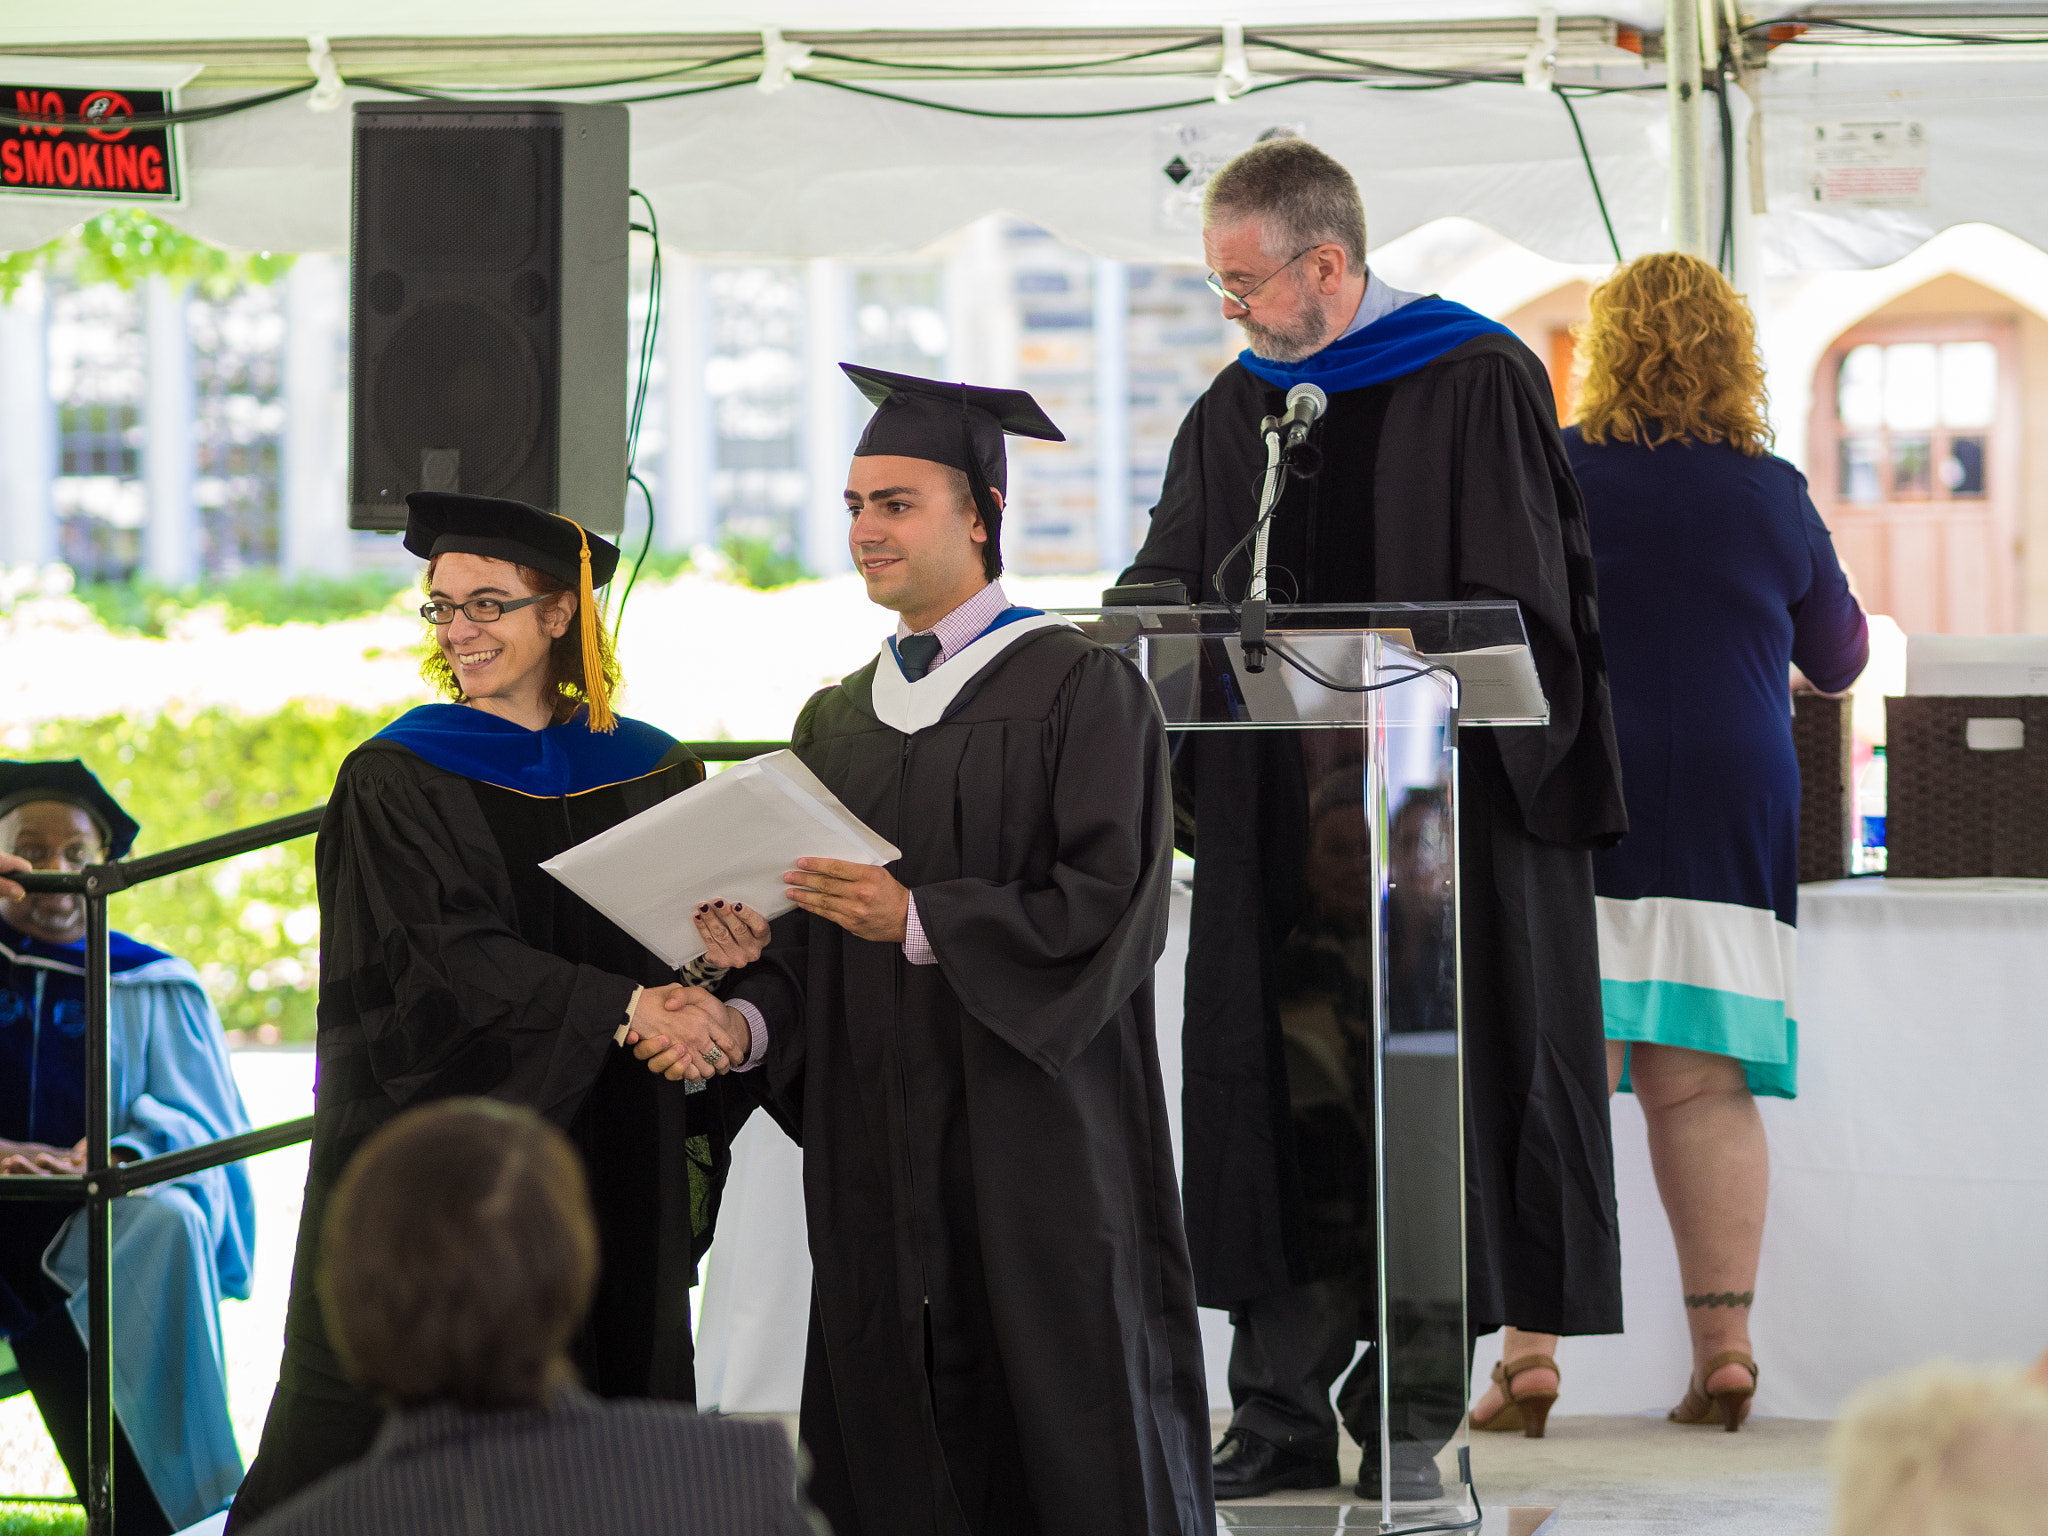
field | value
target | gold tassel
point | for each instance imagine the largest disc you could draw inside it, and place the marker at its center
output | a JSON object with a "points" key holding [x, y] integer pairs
{"points": [[595, 691]]}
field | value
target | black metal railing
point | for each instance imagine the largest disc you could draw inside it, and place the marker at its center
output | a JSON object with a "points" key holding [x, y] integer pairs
{"points": [[104, 1181]]}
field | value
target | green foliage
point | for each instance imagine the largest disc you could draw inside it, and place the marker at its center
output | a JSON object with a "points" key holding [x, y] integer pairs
{"points": [[665, 564], [41, 1520], [125, 246], [761, 563], [250, 924], [140, 606]]}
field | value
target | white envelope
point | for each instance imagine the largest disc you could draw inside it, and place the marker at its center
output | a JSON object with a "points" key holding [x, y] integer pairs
{"points": [[730, 838]]}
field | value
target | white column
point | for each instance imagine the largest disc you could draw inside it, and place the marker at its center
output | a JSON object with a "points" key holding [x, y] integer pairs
{"points": [[28, 431], [1112, 415], [685, 512], [315, 513], [828, 417], [981, 314], [1688, 203], [170, 540]]}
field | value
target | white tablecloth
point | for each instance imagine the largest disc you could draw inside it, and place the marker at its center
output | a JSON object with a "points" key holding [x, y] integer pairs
{"points": [[1909, 1180]]}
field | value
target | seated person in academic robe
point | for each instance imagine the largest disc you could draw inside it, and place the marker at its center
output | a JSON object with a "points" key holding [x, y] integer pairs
{"points": [[460, 1257], [1443, 479], [1003, 1338], [177, 1246], [452, 963]]}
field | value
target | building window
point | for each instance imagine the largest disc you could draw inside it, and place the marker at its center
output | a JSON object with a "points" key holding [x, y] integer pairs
{"points": [[754, 377], [1916, 418], [899, 320], [98, 382], [1914, 454], [238, 367]]}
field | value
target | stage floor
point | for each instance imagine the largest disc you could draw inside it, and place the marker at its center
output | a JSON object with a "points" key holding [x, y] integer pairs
{"points": [[1604, 1475], [1629, 1476]]}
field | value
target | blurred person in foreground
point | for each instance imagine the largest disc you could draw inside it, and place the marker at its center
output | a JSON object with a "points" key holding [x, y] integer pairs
{"points": [[178, 1246], [459, 1260], [1443, 480], [452, 964], [1944, 1450], [1717, 576], [1003, 1333]]}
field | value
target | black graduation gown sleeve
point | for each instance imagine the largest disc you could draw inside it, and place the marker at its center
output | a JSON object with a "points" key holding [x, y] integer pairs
{"points": [[449, 998], [1519, 531], [1045, 964]]}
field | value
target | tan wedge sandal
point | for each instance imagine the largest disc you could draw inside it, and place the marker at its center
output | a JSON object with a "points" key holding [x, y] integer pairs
{"points": [[1528, 1411], [1727, 1408]]}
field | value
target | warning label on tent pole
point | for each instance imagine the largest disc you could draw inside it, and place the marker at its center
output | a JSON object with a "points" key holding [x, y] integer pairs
{"points": [[66, 142], [1866, 164]]}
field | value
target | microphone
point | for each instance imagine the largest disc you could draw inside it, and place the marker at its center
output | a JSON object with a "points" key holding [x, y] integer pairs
{"points": [[1305, 406]]}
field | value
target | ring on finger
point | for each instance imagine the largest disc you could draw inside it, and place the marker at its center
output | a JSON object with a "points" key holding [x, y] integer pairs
{"points": [[713, 1056]]}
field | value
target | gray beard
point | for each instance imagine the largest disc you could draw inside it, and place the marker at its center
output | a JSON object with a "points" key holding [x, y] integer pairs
{"points": [[1288, 344]]}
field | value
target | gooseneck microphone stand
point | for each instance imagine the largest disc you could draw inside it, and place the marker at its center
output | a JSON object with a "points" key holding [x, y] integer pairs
{"points": [[1288, 448]]}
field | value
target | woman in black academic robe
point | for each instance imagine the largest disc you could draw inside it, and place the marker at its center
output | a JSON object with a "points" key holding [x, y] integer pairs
{"points": [[453, 964]]}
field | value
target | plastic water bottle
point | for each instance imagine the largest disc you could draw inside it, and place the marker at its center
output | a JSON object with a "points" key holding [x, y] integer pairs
{"points": [[1870, 810]]}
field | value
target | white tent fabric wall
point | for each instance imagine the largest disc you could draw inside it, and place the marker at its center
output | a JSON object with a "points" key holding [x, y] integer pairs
{"points": [[815, 171]]}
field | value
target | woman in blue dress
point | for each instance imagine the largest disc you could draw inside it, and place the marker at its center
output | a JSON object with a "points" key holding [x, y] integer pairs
{"points": [[1716, 576]]}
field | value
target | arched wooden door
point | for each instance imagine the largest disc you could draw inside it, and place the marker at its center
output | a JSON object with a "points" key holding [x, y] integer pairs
{"points": [[1916, 468]]}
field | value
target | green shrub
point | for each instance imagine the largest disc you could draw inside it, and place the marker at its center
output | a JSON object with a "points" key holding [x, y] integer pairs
{"points": [[761, 563], [41, 1520], [250, 924], [141, 607]]}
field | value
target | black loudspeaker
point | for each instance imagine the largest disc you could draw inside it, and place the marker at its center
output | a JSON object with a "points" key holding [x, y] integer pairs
{"points": [[487, 307]]}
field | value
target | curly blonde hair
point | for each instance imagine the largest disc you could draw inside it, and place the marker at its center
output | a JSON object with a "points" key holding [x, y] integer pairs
{"points": [[1944, 1450], [565, 657], [1668, 354]]}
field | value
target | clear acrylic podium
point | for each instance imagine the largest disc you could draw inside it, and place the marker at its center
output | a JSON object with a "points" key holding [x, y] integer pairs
{"points": [[1367, 980]]}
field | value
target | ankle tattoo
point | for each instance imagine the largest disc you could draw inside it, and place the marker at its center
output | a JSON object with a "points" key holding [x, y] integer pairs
{"points": [[1721, 1299]]}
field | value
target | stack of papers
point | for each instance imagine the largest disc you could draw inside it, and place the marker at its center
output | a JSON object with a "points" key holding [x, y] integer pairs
{"points": [[729, 839]]}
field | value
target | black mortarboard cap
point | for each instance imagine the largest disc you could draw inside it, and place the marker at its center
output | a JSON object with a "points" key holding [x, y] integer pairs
{"points": [[70, 781], [450, 523], [960, 425]]}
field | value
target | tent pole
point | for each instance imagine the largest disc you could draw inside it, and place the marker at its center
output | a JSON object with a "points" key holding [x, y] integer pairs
{"points": [[1682, 95]]}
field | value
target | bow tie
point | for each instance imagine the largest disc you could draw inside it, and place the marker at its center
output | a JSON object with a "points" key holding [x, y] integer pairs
{"points": [[916, 654]]}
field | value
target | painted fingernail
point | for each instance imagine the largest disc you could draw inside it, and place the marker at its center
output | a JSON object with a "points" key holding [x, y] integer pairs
{"points": [[718, 903]]}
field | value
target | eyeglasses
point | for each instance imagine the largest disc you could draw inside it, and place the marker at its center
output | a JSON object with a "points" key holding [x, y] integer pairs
{"points": [[74, 857], [478, 610], [1243, 300]]}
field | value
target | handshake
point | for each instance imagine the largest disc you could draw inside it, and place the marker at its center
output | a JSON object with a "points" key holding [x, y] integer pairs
{"points": [[685, 1033]]}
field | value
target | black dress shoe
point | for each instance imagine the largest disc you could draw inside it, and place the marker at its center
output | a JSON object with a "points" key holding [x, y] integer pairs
{"points": [[1416, 1478], [1248, 1465]]}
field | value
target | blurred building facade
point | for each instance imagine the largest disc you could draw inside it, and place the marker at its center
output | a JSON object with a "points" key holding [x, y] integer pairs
{"points": [[180, 435]]}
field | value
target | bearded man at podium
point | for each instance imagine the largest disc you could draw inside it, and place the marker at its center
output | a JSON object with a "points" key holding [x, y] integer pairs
{"points": [[1443, 479]]}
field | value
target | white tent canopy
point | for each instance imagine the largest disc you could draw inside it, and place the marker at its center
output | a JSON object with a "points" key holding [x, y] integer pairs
{"points": [[812, 170]]}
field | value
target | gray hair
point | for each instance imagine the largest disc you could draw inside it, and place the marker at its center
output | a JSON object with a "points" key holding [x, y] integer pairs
{"points": [[1301, 196]]}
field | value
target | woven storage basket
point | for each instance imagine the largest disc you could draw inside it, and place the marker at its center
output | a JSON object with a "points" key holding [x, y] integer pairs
{"points": [[1953, 811], [1827, 828]]}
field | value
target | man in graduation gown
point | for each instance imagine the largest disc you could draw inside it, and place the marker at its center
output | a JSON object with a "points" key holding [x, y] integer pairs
{"points": [[453, 964], [178, 1247], [1443, 479], [1003, 1337]]}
